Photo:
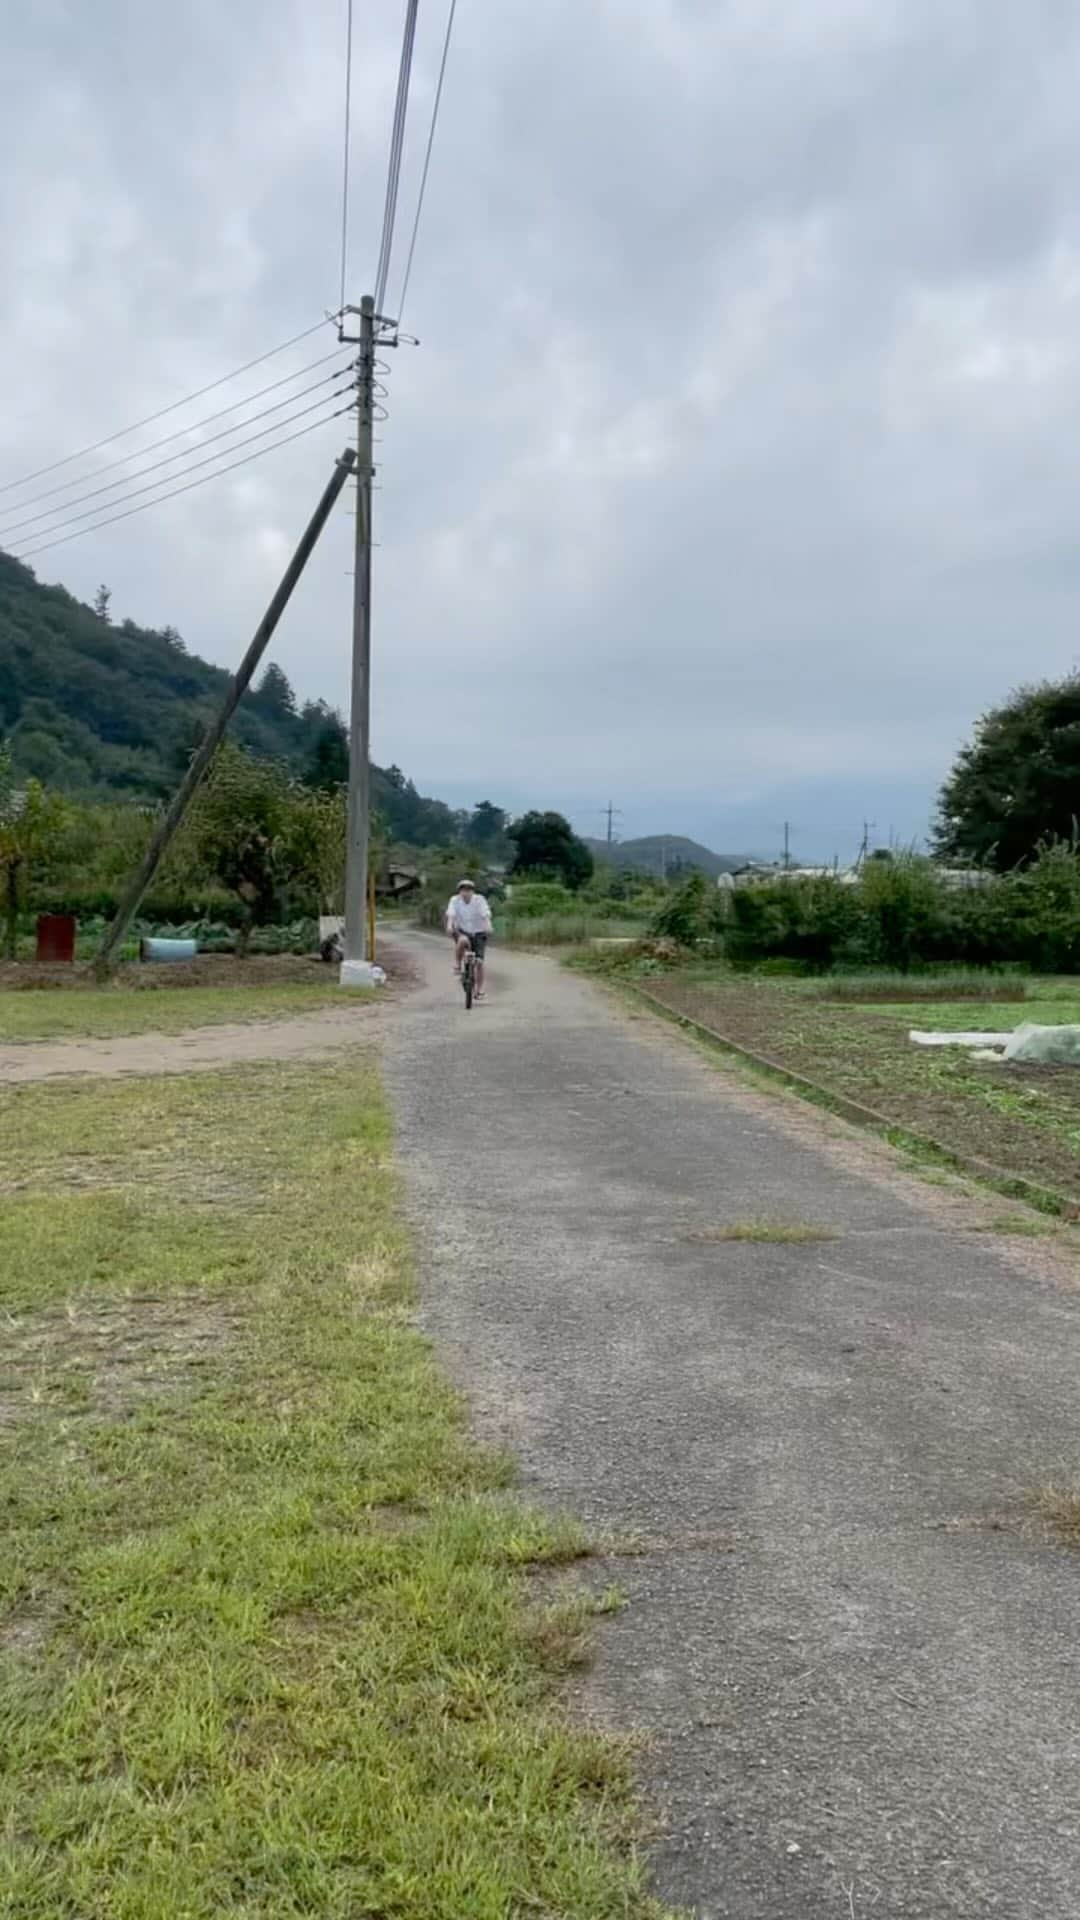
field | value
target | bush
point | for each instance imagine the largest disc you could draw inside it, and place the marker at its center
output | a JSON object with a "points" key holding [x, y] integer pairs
{"points": [[684, 916]]}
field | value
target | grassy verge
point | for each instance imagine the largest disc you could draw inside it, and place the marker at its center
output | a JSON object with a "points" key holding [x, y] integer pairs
{"points": [[263, 1648], [107, 1012], [1024, 1120], [564, 929]]}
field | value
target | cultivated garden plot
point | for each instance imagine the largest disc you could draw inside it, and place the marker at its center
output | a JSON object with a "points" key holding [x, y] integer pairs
{"points": [[1025, 1120]]}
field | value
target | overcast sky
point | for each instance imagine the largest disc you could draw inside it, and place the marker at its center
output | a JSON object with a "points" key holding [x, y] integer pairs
{"points": [[738, 467]]}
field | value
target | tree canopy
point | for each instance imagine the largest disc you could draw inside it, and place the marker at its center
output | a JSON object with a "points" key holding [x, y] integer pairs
{"points": [[1016, 784], [100, 709], [546, 845]]}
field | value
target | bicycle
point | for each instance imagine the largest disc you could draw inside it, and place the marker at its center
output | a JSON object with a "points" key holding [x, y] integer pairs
{"points": [[470, 960]]}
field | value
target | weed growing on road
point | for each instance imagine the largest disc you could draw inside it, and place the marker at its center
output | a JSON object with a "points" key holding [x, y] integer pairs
{"points": [[1060, 1507], [263, 1648], [782, 1232]]}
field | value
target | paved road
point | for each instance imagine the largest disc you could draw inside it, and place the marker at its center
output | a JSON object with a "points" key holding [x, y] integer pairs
{"points": [[860, 1662]]}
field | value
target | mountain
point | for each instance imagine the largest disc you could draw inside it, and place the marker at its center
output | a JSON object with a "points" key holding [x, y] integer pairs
{"points": [[666, 853], [114, 711]]}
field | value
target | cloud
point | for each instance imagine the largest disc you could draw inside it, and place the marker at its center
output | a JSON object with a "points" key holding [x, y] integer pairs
{"points": [[735, 469]]}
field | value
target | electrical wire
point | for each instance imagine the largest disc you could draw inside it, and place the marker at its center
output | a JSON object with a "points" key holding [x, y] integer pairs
{"points": [[154, 484], [427, 158], [345, 166], [179, 433], [148, 419], [397, 142], [246, 461], [48, 513]]}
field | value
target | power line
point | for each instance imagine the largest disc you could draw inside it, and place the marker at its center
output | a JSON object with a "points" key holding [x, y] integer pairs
{"points": [[345, 165], [153, 485], [183, 453], [427, 158], [397, 141], [148, 419], [246, 461], [179, 433]]}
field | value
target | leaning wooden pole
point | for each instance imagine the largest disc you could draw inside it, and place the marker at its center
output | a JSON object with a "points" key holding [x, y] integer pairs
{"points": [[238, 685]]}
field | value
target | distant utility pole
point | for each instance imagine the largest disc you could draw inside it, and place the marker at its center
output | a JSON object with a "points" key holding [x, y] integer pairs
{"points": [[787, 845], [611, 810], [868, 827], [356, 965]]}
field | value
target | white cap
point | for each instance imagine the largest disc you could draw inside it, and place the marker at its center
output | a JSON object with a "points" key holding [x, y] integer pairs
{"points": [[467, 883]]}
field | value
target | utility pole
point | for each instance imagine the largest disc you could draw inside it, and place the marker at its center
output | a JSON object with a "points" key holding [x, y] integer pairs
{"points": [[105, 959], [864, 849], [356, 970], [787, 845], [611, 810]]}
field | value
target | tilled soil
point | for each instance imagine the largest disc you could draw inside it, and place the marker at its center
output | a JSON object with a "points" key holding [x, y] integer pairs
{"points": [[1025, 1120]]}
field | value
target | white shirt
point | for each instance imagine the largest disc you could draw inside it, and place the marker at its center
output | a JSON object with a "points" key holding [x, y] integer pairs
{"points": [[469, 916]]}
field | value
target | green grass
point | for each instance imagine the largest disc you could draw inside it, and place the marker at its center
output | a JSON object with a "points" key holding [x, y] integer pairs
{"points": [[564, 929], [264, 1648], [1046, 1010], [105, 1012], [955, 984]]}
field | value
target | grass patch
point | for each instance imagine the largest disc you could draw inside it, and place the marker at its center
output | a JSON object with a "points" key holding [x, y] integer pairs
{"points": [[564, 929], [263, 1646], [781, 1232], [107, 1012], [1060, 1508], [986, 984]]}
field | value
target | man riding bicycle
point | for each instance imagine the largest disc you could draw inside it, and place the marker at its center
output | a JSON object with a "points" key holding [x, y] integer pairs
{"points": [[468, 922]]}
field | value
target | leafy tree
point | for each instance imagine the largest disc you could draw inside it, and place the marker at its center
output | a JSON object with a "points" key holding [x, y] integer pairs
{"points": [[101, 602], [545, 845], [239, 831], [486, 827], [315, 843], [31, 822], [1017, 783]]}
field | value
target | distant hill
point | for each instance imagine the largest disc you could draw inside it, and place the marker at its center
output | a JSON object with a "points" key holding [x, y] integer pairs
{"points": [[113, 711], [666, 852]]}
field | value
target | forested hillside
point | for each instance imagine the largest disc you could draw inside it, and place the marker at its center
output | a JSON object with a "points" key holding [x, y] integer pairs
{"points": [[99, 709]]}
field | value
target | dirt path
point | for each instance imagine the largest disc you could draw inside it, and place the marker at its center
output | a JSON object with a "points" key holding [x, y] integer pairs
{"points": [[325, 1031], [857, 1655]]}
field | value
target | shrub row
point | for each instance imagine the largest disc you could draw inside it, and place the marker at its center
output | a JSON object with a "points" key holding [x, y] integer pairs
{"points": [[900, 914]]}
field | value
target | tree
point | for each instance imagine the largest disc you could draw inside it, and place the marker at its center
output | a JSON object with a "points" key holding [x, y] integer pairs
{"points": [[315, 845], [1017, 784], [31, 822], [101, 602], [328, 762], [545, 845], [274, 693], [486, 827], [239, 830]]}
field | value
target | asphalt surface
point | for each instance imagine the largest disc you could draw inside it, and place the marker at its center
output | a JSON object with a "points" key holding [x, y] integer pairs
{"points": [[858, 1656]]}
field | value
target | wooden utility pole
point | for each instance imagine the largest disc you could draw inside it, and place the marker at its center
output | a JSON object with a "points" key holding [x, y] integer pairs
{"points": [[356, 964], [238, 685]]}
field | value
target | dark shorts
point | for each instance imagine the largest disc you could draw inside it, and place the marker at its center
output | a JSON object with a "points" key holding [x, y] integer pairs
{"points": [[477, 941]]}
